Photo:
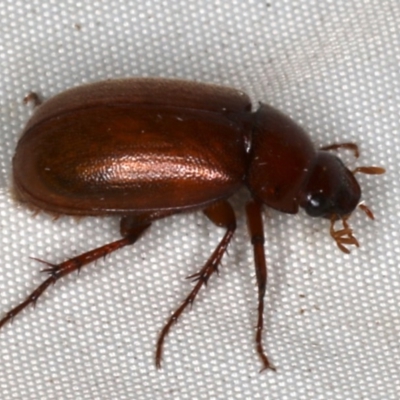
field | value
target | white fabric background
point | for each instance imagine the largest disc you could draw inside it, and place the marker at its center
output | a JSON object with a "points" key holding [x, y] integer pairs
{"points": [[332, 320]]}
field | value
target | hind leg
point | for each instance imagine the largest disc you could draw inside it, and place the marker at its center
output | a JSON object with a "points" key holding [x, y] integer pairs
{"points": [[131, 230]]}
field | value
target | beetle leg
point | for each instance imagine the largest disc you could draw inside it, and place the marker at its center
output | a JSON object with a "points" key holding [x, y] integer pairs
{"points": [[256, 230], [221, 214], [34, 98], [57, 271], [347, 145]]}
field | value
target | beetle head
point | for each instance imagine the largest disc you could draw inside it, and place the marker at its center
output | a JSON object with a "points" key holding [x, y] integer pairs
{"points": [[330, 188], [331, 191]]}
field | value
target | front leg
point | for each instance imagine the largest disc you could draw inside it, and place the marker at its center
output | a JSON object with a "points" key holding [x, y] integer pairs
{"points": [[256, 230], [346, 145]]}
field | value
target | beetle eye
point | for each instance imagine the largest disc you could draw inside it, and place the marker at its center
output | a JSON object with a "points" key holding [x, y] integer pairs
{"points": [[317, 205]]}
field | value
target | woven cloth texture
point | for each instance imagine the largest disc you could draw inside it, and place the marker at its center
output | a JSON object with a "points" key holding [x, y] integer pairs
{"points": [[332, 321]]}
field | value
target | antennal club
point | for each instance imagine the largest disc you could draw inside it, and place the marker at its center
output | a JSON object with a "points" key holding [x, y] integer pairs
{"points": [[343, 236], [369, 170]]}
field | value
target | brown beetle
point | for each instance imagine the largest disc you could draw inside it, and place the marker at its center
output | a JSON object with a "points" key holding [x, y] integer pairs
{"points": [[145, 149]]}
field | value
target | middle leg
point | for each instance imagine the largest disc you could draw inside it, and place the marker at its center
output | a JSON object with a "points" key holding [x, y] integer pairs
{"points": [[221, 214]]}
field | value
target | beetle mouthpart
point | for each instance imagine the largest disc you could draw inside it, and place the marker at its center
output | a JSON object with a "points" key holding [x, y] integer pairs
{"points": [[369, 170], [367, 210], [343, 236]]}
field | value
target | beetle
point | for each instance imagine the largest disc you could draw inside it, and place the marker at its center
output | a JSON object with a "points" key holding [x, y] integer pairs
{"points": [[147, 148]]}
